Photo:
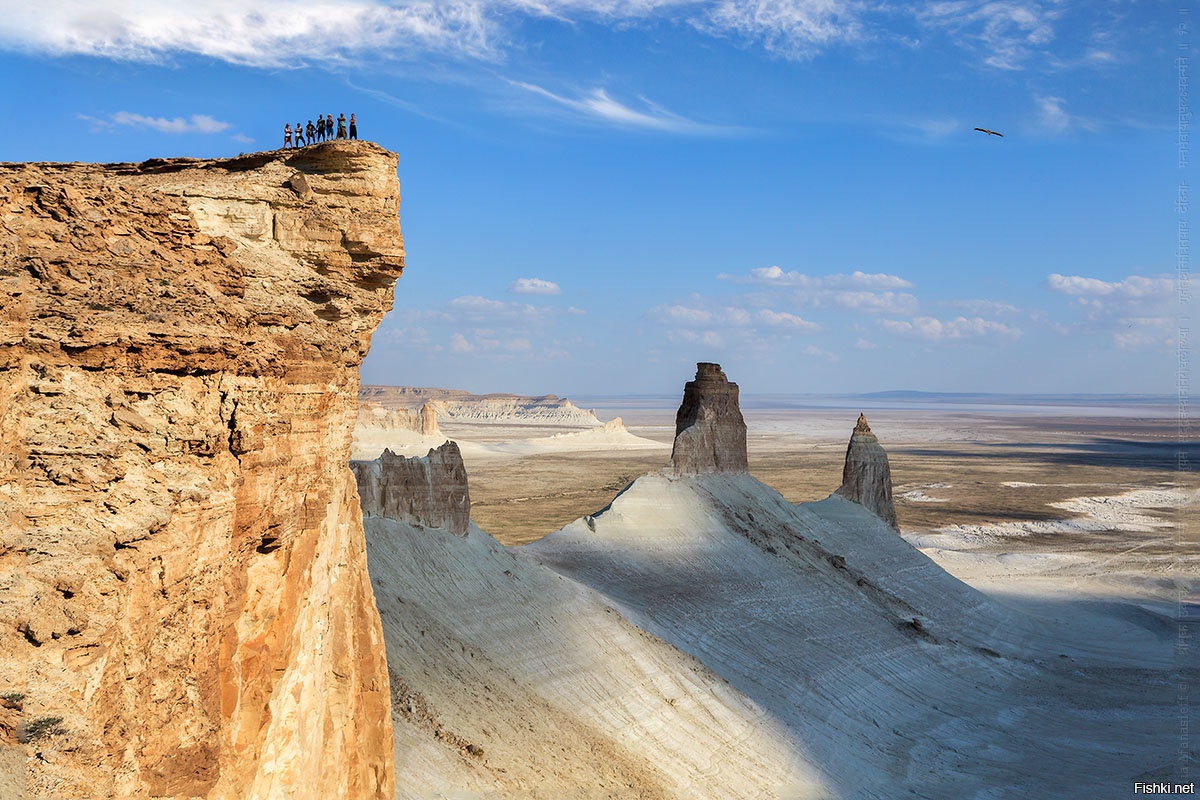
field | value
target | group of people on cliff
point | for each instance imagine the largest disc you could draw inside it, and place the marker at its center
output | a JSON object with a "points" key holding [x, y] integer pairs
{"points": [[323, 130]]}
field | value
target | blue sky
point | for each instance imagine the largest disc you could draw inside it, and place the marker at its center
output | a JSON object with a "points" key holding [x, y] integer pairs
{"points": [[599, 193]]}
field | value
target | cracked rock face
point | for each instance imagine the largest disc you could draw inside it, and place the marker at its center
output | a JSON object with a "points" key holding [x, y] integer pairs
{"points": [[710, 434], [867, 476], [182, 568], [429, 491]]}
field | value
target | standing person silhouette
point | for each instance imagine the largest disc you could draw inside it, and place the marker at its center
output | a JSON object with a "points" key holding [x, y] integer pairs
{"points": [[329, 126], [341, 134], [320, 128], [287, 135], [353, 127], [299, 135], [310, 131]]}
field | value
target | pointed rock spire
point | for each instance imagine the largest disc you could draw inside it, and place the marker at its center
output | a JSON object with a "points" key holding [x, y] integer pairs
{"points": [[710, 434], [430, 491], [867, 476]]}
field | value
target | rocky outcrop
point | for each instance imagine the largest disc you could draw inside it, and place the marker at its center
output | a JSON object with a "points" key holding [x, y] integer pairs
{"points": [[373, 417], [456, 405], [710, 434], [867, 476], [429, 491], [183, 582], [429, 420]]}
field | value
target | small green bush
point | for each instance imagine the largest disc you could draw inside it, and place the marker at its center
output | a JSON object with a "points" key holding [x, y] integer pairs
{"points": [[39, 729]]}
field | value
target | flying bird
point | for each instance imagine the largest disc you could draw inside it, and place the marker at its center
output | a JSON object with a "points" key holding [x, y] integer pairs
{"points": [[990, 133]]}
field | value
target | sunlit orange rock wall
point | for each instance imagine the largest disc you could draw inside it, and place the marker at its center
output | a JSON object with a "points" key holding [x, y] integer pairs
{"points": [[183, 579]]}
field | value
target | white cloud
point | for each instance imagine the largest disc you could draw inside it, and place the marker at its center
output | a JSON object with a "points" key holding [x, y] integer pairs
{"points": [[459, 344], [868, 302], [1006, 31], [793, 29], [482, 309], [1137, 311], [1131, 287], [1051, 114], [815, 352], [263, 33], [196, 123], [533, 286], [775, 276], [958, 328], [782, 319], [598, 105], [990, 307], [292, 33], [682, 315], [863, 292]]}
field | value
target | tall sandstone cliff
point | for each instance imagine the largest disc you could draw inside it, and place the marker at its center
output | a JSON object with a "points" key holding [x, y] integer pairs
{"points": [[185, 609], [710, 433]]}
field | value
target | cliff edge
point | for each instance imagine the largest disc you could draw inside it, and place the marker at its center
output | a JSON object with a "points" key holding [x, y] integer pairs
{"points": [[183, 581]]}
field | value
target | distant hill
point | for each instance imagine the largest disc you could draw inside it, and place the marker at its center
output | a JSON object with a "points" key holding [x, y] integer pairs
{"points": [[457, 405], [1018, 399]]}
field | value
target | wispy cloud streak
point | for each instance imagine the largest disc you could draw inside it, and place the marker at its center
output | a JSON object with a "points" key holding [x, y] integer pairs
{"points": [[599, 106]]}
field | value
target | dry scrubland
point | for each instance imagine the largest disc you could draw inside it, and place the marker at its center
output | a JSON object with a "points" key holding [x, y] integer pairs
{"points": [[947, 468]]}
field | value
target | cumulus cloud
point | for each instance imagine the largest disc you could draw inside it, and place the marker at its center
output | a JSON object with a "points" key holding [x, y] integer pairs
{"points": [[959, 328], [1136, 311], [1131, 287], [863, 292], [533, 286], [729, 316]]}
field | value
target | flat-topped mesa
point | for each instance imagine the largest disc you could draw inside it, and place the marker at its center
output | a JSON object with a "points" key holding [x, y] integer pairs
{"points": [[710, 434], [867, 476], [429, 491], [181, 547], [373, 417]]}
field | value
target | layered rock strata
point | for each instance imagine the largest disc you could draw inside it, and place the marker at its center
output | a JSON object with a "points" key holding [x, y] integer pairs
{"points": [[710, 434], [376, 417], [429, 491], [456, 405], [183, 581], [867, 476]]}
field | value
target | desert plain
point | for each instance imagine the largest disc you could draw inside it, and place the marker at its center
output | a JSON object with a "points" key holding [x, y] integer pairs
{"points": [[1073, 520]]}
